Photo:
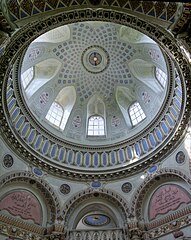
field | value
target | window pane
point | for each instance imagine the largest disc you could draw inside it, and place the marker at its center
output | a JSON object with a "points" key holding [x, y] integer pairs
{"points": [[55, 114], [96, 126], [136, 113], [27, 76], [161, 76]]}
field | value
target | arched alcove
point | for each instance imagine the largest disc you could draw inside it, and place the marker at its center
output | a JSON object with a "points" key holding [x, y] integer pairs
{"points": [[57, 35], [43, 72], [96, 112], [161, 195], [86, 201], [125, 97], [29, 199], [145, 72]]}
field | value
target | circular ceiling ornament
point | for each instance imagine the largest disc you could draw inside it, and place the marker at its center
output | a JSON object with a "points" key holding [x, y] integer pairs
{"points": [[65, 189], [152, 169], [95, 59], [126, 187], [96, 220], [38, 172], [180, 157], [8, 161]]}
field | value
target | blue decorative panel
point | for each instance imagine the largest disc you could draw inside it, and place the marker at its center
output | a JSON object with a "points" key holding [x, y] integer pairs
{"points": [[87, 159], [96, 184], [170, 121], [145, 145], [70, 157], [9, 93], [38, 172], [158, 134], [178, 80], [20, 122], [121, 155], [129, 152], [95, 160], [173, 112], [152, 140], [53, 151], [45, 147], [104, 158], [165, 128], [25, 130], [138, 149], [15, 113], [11, 104], [38, 142], [113, 158], [178, 92], [61, 154], [31, 136], [79, 158], [152, 169], [177, 103]]}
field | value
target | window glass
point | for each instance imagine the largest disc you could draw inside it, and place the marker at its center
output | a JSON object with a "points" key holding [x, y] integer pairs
{"points": [[27, 76], [96, 126], [136, 113], [161, 77], [55, 114]]}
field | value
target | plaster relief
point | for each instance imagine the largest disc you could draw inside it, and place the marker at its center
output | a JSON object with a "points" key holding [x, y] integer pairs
{"points": [[167, 198], [23, 204]]}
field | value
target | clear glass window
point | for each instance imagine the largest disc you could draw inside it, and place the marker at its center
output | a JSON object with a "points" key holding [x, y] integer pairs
{"points": [[161, 77], [27, 76], [55, 114], [136, 113], [96, 126]]}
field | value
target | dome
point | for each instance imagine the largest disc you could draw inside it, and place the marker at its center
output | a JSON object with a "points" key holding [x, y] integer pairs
{"points": [[94, 96], [94, 83]]}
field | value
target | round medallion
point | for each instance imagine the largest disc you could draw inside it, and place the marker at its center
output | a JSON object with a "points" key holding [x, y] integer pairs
{"points": [[127, 187], [96, 220], [96, 184], [95, 59], [180, 157], [64, 189], [8, 161], [38, 172], [152, 169]]}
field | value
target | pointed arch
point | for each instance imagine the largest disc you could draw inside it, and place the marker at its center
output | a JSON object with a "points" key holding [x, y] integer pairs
{"points": [[61, 108], [146, 73]]}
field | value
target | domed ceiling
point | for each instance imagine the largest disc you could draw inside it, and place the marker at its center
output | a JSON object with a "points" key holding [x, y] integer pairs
{"points": [[93, 98], [94, 83]]}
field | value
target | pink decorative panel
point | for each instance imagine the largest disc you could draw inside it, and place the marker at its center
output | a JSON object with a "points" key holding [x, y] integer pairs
{"points": [[167, 198], [23, 204]]}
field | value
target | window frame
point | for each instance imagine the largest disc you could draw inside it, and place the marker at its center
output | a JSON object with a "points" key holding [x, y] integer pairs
{"points": [[104, 127], [130, 116], [29, 82], [61, 119], [162, 81]]}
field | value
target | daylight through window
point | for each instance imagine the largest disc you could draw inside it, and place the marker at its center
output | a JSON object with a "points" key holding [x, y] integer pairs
{"points": [[96, 126], [136, 113]]}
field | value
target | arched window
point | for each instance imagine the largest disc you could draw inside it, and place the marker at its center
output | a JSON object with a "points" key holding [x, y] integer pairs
{"points": [[161, 77], [27, 76], [136, 113], [55, 115], [96, 126]]}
